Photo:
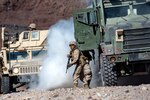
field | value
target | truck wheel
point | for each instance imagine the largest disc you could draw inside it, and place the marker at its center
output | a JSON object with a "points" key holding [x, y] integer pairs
{"points": [[108, 75], [11, 82], [4, 86]]}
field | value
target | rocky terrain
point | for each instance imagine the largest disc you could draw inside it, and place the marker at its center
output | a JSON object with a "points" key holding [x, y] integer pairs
{"points": [[42, 12], [45, 13], [101, 93]]}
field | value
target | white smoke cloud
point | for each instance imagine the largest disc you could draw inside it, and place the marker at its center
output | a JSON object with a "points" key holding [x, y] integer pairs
{"points": [[53, 70], [53, 73]]}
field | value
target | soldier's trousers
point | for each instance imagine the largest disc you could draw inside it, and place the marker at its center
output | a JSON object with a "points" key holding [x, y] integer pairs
{"points": [[77, 73], [82, 72], [87, 74]]}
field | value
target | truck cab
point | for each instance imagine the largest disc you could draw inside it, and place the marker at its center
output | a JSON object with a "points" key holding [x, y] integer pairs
{"points": [[120, 31]]}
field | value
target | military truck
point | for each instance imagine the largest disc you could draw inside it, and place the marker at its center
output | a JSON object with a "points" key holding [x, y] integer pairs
{"points": [[120, 31], [21, 56]]}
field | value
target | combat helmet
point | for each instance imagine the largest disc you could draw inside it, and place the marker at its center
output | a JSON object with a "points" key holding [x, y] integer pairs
{"points": [[72, 43], [32, 26]]}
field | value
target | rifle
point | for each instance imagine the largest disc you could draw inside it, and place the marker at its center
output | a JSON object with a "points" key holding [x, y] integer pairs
{"points": [[68, 63]]}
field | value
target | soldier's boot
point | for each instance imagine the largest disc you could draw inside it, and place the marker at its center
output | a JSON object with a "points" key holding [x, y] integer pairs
{"points": [[86, 86], [75, 85]]}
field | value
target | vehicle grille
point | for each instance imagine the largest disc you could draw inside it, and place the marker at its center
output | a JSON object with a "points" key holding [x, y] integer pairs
{"points": [[136, 39], [29, 69]]}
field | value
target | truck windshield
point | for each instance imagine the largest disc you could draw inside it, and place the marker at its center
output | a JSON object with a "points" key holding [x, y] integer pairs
{"points": [[122, 11], [142, 9], [112, 12], [17, 55], [39, 54]]}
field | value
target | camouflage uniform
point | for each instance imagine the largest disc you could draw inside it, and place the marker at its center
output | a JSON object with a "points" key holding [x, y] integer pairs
{"points": [[32, 26], [82, 69]]}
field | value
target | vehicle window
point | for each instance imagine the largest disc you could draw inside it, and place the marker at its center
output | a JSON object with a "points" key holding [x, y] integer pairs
{"points": [[17, 55], [113, 12], [82, 17], [35, 35], [39, 53], [142, 9], [92, 17], [26, 35]]}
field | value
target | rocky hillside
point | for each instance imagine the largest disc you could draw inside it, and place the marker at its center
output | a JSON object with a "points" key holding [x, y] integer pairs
{"points": [[42, 12]]}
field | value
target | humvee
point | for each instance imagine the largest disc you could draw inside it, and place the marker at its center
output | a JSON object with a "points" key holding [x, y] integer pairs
{"points": [[21, 56], [120, 31]]}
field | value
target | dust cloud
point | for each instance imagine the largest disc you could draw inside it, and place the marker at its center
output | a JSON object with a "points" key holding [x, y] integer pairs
{"points": [[53, 72]]}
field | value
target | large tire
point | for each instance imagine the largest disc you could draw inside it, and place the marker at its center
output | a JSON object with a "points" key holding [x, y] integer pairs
{"points": [[108, 75], [12, 80], [4, 86]]}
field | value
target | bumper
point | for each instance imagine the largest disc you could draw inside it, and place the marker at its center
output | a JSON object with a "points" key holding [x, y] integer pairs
{"points": [[131, 57], [27, 78], [139, 56]]}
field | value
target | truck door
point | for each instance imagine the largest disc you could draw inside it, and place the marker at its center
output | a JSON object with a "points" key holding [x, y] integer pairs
{"points": [[87, 30]]}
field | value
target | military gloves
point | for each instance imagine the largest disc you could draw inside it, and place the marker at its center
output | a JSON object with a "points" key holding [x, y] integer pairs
{"points": [[68, 56]]}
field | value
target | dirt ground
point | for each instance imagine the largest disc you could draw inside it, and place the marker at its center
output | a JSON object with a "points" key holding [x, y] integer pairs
{"points": [[140, 92]]}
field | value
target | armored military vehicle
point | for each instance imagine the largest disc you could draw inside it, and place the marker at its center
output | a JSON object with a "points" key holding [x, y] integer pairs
{"points": [[21, 56], [120, 31]]}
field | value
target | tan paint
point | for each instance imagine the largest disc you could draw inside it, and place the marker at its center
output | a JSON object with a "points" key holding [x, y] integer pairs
{"points": [[27, 45], [23, 43], [119, 35]]}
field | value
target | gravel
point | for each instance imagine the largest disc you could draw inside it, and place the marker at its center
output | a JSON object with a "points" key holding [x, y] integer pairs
{"points": [[100, 93]]}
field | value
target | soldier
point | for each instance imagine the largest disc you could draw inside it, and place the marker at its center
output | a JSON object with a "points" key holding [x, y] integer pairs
{"points": [[82, 69], [1, 62]]}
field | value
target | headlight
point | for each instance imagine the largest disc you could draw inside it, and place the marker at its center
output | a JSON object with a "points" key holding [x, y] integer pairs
{"points": [[40, 67], [113, 59], [16, 70], [108, 50], [4, 68]]}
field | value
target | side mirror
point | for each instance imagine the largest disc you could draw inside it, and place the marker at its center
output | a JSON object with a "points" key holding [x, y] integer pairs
{"points": [[26, 35], [89, 17], [82, 17]]}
